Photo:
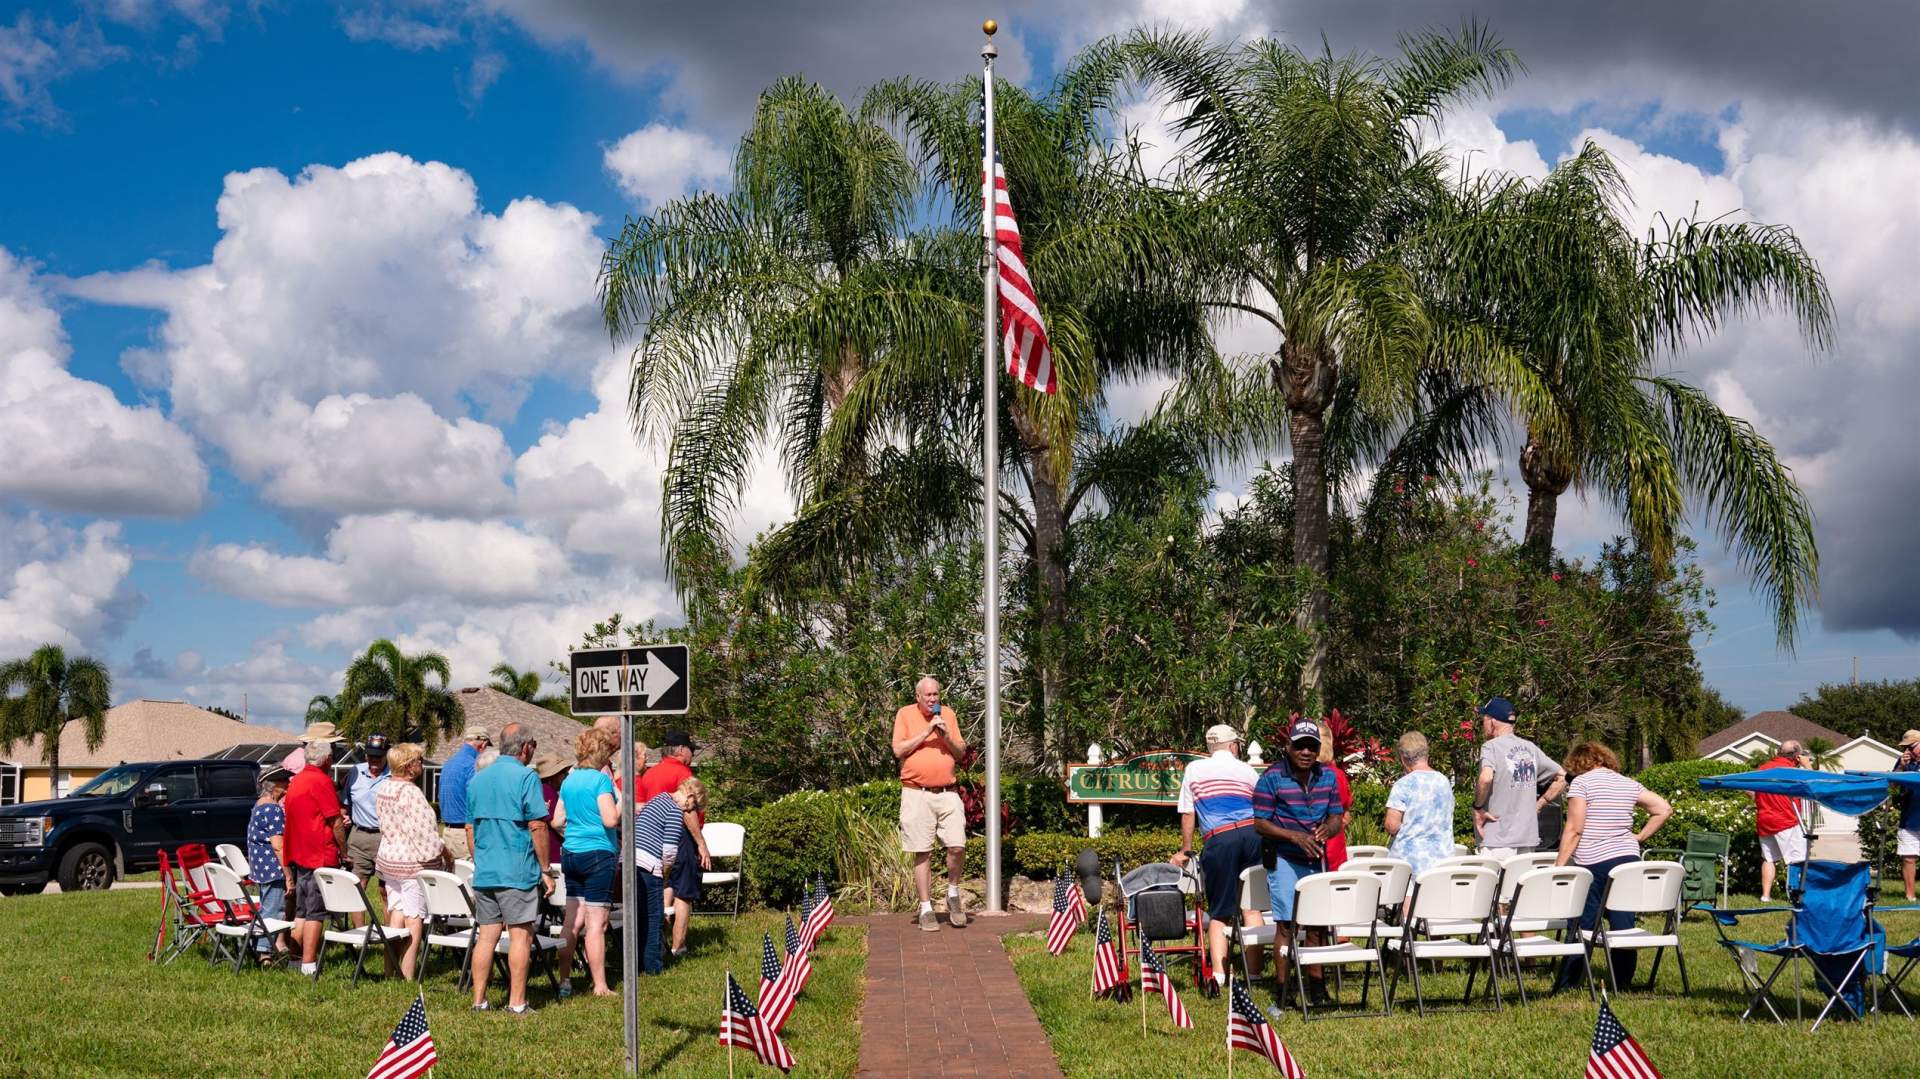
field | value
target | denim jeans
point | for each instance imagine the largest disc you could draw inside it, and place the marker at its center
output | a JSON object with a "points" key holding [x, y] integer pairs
{"points": [[1623, 961], [273, 904], [651, 917]]}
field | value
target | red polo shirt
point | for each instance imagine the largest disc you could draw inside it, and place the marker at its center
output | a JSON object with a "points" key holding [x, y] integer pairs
{"points": [[311, 806], [1777, 812], [663, 778]]}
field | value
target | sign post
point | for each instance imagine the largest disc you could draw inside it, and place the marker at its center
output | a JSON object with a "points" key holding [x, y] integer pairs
{"points": [[610, 682]]}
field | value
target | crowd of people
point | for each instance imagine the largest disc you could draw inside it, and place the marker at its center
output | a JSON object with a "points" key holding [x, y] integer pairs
{"points": [[1291, 819], [514, 813]]}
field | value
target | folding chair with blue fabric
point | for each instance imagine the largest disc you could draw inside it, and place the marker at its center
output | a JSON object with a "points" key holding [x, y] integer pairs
{"points": [[1908, 953], [1829, 913]]}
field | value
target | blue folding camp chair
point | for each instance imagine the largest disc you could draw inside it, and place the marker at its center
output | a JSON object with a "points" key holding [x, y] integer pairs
{"points": [[1829, 926]]}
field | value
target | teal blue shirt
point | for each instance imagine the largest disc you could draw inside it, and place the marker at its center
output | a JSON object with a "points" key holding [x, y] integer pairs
{"points": [[581, 795], [502, 798]]}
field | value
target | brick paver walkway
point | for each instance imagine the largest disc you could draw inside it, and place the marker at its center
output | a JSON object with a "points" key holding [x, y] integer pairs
{"points": [[947, 1003]]}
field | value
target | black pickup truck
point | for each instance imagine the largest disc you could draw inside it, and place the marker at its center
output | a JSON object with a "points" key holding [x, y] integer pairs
{"points": [[120, 821]]}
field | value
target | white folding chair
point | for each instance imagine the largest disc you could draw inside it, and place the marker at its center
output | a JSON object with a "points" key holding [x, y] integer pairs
{"points": [[449, 903], [242, 921], [463, 869], [1356, 853], [1552, 898], [725, 839], [1395, 876], [1449, 896], [1641, 888], [1511, 869], [1327, 901], [556, 902], [1461, 850], [342, 896], [1464, 927], [235, 859], [1253, 896]]}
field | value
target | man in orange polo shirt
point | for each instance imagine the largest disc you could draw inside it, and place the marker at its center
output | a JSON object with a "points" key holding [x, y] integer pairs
{"points": [[928, 744]]}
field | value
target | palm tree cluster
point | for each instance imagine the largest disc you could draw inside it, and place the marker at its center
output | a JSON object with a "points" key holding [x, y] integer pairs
{"points": [[43, 692], [828, 305], [387, 691]]}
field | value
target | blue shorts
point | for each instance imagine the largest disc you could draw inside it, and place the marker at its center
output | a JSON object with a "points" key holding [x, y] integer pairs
{"points": [[1280, 881], [589, 876]]}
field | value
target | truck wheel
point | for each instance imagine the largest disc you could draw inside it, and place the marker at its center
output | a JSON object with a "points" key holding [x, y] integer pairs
{"points": [[88, 867], [23, 889]]}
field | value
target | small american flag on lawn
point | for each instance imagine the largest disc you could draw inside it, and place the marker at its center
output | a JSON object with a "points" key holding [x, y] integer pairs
{"points": [[1248, 1029], [799, 963], [777, 994], [820, 917], [1109, 969], [1069, 912], [410, 1051], [806, 918], [742, 1025], [1029, 356], [1615, 1054], [1154, 979]]}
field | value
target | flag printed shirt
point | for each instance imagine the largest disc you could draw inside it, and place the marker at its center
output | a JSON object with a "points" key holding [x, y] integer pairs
{"points": [[1218, 790]]}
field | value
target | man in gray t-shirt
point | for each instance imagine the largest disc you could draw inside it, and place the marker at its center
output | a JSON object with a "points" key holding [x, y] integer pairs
{"points": [[1508, 798]]}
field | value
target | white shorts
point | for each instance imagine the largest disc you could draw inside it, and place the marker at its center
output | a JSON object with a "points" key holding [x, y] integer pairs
{"points": [[1907, 844], [407, 898], [1789, 846]]}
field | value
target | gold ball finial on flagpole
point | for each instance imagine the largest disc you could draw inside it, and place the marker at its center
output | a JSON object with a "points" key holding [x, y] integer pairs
{"points": [[989, 27]]}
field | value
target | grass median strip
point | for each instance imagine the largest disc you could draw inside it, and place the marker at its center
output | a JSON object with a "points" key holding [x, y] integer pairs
{"points": [[85, 1001], [1692, 1036]]}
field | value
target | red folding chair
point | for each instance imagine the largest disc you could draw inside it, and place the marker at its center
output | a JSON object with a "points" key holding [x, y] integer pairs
{"points": [[189, 910]]}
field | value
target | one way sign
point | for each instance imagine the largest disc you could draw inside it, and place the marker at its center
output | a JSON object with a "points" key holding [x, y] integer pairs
{"points": [[645, 679]]}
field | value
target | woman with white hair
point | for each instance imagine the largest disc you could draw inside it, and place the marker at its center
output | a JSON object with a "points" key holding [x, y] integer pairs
{"points": [[1419, 808], [409, 842]]}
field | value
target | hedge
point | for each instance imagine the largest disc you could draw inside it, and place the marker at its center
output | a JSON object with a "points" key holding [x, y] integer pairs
{"points": [[1044, 854], [1682, 778]]}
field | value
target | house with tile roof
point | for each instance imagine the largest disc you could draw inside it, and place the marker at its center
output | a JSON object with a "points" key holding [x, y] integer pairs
{"points": [[136, 730]]}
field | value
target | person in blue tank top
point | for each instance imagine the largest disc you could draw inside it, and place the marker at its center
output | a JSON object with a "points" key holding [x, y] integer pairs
{"points": [[588, 816]]}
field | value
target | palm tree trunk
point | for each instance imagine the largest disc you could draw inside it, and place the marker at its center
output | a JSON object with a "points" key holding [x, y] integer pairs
{"points": [[1308, 376], [1546, 481], [1049, 492], [53, 760]]}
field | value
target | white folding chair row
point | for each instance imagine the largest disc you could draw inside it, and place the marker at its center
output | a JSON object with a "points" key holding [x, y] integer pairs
{"points": [[1394, 876], [1640, 889], [243, 922], [1329, 901], [724, 839], [1546, 896], [1447, 898], [448, 901], [342, 896], [1363, 850]]}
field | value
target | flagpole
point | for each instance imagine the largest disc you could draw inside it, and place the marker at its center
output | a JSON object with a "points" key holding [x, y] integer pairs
{"points": [[726, 1007], [629, 887], [1229, 1024], [990, 493]]}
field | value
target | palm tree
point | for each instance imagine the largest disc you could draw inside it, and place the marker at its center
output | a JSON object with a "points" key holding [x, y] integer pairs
{"points": [[42, 693], [760, 311], [1333, 209], [1558, 272], [325, 709], [390, 692], [1821, 755], [525, 686]]}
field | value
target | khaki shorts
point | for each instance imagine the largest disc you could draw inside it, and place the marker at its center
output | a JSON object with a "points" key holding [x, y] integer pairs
{"points": [[455, 836], [362, 848], [926, 817]]}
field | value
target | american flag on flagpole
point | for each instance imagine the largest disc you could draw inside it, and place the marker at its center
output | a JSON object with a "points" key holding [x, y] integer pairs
{"points": [[1069, 911], [1154, 979], [777, 993], [799, 963], [1615, 1055], [741, 1024], [1248, 1029], [1109, 967], [409, 1052], [1029, 355], [820, 917]]}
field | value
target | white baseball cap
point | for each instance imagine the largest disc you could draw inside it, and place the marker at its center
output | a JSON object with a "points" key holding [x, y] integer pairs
{"points": [[1221, 733]]}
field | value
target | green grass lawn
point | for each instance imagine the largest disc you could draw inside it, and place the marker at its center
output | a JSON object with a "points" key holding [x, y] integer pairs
{"points": [[85, 1001], [1697, 1036]]}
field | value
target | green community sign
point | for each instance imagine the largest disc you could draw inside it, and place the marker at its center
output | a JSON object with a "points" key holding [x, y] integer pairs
{"points": [[1151, 778]]}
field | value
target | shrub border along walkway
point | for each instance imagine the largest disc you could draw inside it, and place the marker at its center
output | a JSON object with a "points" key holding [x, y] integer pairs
{"points": [[948, 1003]]}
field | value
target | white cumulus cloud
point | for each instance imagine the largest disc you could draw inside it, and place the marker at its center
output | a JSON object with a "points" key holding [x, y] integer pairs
{"points": [[61, 586], [660, 162]]}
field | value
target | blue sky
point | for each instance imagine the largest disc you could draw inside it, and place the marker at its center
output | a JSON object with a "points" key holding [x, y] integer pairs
{"points": [[322, 280]]}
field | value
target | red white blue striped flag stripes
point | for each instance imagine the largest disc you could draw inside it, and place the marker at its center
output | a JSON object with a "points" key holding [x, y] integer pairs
{"points": [[1069, 911], [1248, 1029], [1154, 979], [1024, 334], [742, 1024]]}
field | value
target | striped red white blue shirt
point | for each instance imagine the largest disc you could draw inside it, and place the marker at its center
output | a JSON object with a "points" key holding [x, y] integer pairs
{"points": [[1218, 790], [1608, 832]]}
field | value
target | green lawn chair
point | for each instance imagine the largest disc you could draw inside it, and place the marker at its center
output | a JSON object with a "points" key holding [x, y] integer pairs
{"points": [[1707, 864]]}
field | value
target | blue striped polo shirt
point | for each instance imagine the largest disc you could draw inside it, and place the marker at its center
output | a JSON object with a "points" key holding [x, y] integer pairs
{"points": [[1217, 790], [1282, 799]]}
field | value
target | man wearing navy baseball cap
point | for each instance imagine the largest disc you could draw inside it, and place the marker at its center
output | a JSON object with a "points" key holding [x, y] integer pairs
{"points": [[1507, 799], [1296, 809]]}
